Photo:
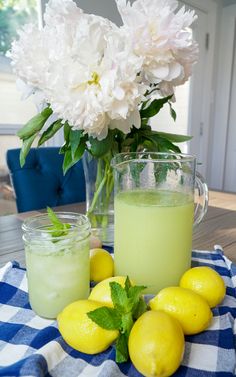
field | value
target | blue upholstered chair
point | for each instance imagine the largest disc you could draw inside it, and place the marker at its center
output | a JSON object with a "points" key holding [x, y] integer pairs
{"points": [[41, 182]]}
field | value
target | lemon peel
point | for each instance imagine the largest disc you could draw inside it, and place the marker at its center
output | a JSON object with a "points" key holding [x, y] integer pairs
{"points": [[101, 265], [189, 308], [156, 344], [102, 291], [80, 332], [206, 282]]}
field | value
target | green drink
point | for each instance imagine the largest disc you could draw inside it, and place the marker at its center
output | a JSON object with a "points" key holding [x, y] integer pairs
{"points": [[57, 263], [153, 236]]}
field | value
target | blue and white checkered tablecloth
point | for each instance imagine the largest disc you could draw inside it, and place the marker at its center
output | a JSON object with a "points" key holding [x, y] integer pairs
{"points": [[32, 346]]}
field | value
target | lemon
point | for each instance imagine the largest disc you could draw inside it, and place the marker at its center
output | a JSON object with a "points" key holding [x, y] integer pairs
{"points": [[80, 332], [188, 307], [206, 282], [156, 344], [102, 291], [101, 265]]}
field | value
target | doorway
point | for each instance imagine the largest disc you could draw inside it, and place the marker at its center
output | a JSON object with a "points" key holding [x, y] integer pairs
{"points": [[223, 166], [194, 99]]}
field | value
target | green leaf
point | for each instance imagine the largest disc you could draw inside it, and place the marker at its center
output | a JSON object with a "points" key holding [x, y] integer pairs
{"points": [[165, 145], [107, 318], [50, 132], [154, 107], [26, 148], [58, 228], [161, 173], [118, 296], [135, 292], [150, 145], [127, 285], [175, 138], [63, 148], [172, 112], [127, 322], [140, 308], [122, 353], [67, 129], [127, 142], [75, 136], [69, 161], [35, 124], [100, 147], [121, 317], [54, 219]]}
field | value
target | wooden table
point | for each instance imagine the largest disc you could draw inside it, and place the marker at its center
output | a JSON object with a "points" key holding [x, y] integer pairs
{"points": [[218, 227]]}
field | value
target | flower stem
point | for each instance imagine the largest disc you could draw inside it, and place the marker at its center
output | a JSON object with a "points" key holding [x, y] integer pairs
{"points": [[98, 212]]}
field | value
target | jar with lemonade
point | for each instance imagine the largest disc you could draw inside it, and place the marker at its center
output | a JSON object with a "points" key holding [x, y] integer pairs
{"points": [[57, 261]]}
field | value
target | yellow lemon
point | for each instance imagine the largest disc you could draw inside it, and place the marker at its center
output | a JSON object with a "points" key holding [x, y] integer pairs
{"points": [[102, 291], [101, 265], [156, 344], [206, 282], [188, 307], [80, 332]]}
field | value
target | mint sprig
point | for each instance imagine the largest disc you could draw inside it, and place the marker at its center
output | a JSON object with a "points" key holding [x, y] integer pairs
{"points": [[58, 228], [128, 306]]}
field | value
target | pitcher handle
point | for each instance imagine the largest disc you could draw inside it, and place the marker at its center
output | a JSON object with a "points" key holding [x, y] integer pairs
{"points": [[201, 199]]}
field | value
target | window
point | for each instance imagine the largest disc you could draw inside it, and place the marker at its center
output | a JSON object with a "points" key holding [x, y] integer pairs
{"points": [[14, 112]]}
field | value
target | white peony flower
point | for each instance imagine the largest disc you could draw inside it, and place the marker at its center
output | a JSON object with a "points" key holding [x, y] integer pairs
{"points": [[84, 66], [95, 75], [61, 12], [30, 57], [162, 38], [97, 82]]}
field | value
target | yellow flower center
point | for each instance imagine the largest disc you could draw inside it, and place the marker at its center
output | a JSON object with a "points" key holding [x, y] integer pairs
{"points": [[95, 79]]}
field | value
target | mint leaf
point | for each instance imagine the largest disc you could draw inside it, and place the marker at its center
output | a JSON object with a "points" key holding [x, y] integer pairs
{"points": [[127, 285], [107, 318], [135, 292], [58, 228], [122, 353], [139, 309], [118, 296], [128, 306], [53, 218], [127, 323]]}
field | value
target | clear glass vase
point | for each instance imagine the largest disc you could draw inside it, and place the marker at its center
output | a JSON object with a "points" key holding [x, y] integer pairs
{"points": [[100, 196]]}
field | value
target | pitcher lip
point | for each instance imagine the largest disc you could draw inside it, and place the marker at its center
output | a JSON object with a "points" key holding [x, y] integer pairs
{"points": [[181, 157]]}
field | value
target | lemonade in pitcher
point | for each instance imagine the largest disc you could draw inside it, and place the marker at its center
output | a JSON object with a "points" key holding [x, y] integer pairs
{"points": [[153, 236], [158, 198]]}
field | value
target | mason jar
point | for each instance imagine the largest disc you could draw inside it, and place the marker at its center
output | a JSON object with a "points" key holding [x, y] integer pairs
{"points": [[57, 263]]}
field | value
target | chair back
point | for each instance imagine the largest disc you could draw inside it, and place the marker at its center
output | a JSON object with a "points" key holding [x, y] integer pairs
{"points": [[41, 183]]}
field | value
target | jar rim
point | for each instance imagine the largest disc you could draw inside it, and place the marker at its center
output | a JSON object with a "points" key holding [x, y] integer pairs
{"points": [[160, 157], [28, 224]]}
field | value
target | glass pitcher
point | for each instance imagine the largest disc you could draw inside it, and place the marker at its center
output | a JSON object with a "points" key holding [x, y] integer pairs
{"points": [[158, 199]]}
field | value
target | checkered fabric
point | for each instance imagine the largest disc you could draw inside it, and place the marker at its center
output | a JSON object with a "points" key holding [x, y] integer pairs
{"points": [[32, 346]]}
